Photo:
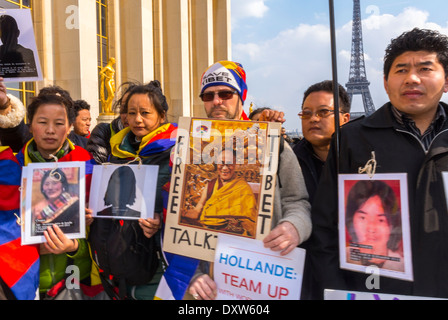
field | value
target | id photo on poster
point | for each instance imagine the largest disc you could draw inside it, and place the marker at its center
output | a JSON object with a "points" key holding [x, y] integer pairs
{"points": [[54, 195], [374, 224]]}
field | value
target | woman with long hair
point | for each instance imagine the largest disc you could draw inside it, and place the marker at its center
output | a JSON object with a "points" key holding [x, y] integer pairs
{"points": [[147, 140]]}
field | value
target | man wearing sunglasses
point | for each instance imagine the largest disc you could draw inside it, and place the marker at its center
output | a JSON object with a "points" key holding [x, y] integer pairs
{"points": [[224, 90]]}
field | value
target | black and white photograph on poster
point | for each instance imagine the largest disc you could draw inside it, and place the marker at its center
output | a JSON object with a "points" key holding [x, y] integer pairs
{"points": [[19, 60], [123, 191], [374, 224], [54, 195]]}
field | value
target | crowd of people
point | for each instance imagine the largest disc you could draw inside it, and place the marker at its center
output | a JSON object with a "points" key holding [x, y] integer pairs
{"points": [[409, 134]]}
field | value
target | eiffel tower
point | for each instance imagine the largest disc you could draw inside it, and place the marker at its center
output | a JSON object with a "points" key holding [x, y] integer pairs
{"points": [[358, 83]]}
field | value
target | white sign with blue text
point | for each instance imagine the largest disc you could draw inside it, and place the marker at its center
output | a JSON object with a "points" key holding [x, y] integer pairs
{"points": [[245, 270]]}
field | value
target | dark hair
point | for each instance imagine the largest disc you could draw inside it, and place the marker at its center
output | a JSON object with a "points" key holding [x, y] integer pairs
{"points": [[124, 89], [155, 94], [364, 190], [79, 105], [327, 86], [417, 40], [40, 100], [55, 172], [56, 90], [257, 111], [122, 176]]}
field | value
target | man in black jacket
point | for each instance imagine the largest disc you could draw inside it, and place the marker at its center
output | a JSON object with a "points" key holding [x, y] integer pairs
{"points": [[318, 127], [408, 135]]}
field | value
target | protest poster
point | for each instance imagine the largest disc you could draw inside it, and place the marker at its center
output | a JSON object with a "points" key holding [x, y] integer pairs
{"points": [[53, 194], [245, 270], [374, 226], [363, 296], [125, 192], [445, 184], [223, 180], [19, 59]]}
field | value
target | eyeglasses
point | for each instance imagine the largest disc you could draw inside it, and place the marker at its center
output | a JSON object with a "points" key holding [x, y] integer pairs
{"points": [[223, 95], [321, 113]]}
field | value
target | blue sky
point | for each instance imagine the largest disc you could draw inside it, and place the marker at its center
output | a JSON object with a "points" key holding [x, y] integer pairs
{"points": [[284, 45]]}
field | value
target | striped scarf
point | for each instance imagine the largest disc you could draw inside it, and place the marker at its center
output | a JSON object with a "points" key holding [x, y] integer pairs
{"points": [[52, 208], [35, 155]]}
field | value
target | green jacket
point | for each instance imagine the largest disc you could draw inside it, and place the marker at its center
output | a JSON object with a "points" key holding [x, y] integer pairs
{"points": [[53, 267]]}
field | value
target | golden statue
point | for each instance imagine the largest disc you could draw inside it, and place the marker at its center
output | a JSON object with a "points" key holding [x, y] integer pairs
{"points": [[108, 84]]}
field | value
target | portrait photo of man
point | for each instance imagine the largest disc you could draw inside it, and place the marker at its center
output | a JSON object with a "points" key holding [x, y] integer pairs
{"points": [[16, 59], [227, 201]]}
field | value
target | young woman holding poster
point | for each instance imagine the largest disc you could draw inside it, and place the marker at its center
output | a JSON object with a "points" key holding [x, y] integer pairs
{"points": [[51, 116], [149, 139]]}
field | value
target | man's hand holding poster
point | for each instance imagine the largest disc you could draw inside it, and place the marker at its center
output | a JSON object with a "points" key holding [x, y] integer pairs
{"points": [[374, 224], [223, 179], [245, 270]]}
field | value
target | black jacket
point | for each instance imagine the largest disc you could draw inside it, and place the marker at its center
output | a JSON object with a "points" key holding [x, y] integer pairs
{"points": [[15, 137], [77, 140], [311, 166], [396, 151], [99, 142]]}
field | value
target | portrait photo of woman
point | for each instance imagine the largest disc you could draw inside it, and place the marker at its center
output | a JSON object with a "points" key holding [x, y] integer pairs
{"points": [[373, 224], [59, 203]]}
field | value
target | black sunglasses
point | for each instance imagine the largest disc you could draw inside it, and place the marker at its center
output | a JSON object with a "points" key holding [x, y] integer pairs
{"points": [[223, 95]]}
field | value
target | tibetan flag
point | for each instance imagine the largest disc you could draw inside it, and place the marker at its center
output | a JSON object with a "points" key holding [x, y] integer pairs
{"points": [[160, 140], [19, 265], [179, 271], [177, 277]]}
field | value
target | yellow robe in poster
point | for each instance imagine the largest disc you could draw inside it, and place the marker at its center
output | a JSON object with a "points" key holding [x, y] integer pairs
{"points": [[231, 208]]}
